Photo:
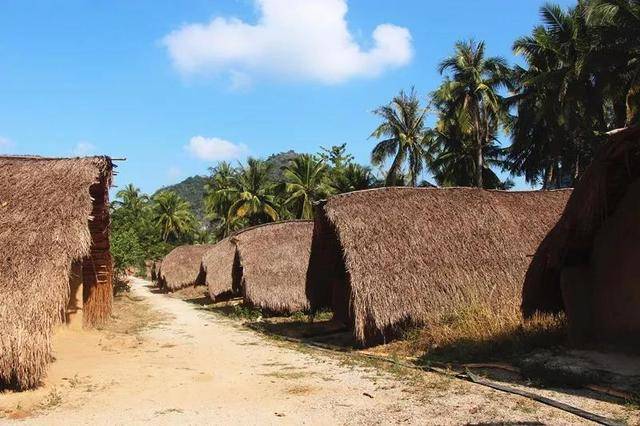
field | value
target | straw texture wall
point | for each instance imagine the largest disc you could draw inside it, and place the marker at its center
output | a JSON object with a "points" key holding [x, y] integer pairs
{"points": [[97, 269], [571, 246], [45, 220], [392, 257], [274, 260], [182, 267], [221, 266]]}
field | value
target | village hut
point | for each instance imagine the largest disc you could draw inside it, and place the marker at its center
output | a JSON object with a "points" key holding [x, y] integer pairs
{"points": [[222, 270], [274, 259], [388, 258], [55, 263], [182, 267], [588, 265], [266, 265]]}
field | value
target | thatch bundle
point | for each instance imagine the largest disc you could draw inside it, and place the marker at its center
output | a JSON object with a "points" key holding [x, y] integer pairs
{"points": [[587, 265], [222, 269], [53, 213], [266, 264], [392, 257], [182, 267], [274, 260]]}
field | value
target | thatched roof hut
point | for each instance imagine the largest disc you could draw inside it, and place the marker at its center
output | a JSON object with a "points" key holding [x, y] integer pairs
{"points": [[588, 264], [54, 217], [274, 260], [392, 257], [182, 267], [266, 264], [222, 269]]}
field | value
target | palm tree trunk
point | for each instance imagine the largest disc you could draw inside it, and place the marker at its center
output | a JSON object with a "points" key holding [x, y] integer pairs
{"points": [[479, 157], [633, 104], [479, 165], [548, 177], [395, 166]]}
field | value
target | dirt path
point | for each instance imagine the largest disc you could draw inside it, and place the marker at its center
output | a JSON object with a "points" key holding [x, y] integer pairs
{"points": [[199, 368]]}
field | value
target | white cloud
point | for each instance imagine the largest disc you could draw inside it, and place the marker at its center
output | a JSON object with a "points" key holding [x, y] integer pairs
{"points": [[83, 149], [304, 39], [215, 149]]}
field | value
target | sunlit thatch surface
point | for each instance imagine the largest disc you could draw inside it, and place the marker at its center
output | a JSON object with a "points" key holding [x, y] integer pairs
{"points": [[274, 260], [218, 263], [182, 267], [394, 257], [45, 221]]}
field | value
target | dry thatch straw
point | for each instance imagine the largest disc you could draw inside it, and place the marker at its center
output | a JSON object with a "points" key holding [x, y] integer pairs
{"points": [[274, 260], [182, 268], [392, 257], [53, 213], [222, 269], [266, 264], [609, 183]]}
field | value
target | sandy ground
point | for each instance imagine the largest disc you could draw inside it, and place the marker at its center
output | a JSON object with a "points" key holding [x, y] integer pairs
{"points": [[199, 368]]}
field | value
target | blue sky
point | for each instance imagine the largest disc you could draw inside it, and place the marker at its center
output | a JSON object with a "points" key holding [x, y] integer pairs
{"points": [[174, 86]]}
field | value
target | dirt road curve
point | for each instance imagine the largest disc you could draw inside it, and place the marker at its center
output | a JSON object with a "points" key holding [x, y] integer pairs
{"points": [[198, 368]]}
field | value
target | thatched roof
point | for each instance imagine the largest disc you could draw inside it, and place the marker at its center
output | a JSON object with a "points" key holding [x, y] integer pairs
{"points": [[390, 257], [274, 259], [595, 198], [218, 263], [266, 264], [45, 211], [183, 267]]}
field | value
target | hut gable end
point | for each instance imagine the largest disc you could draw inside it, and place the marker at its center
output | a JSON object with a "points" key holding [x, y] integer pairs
{"points": [[266, 264], [220, 264], [183, 267], [274, 259]]}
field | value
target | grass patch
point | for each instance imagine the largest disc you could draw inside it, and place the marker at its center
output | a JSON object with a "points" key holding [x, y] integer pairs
{"points": [[287, 375], [131, 315], [169, 411], [245, 312], [52, 400], [483, 334], [476, 334], [300, 390]]}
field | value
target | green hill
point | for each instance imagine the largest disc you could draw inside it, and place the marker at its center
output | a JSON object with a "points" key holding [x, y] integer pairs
{"points": [[192, 190]]}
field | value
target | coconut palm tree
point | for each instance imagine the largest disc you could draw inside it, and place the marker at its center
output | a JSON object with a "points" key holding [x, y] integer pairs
{"points": [[562, 97], [173, 216], [454, 155], [218, 200], [618, 24], [253, 194], [472, 91], [539, 137], [402, 134], [131, 197], [305, 182], [353, 177]]}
